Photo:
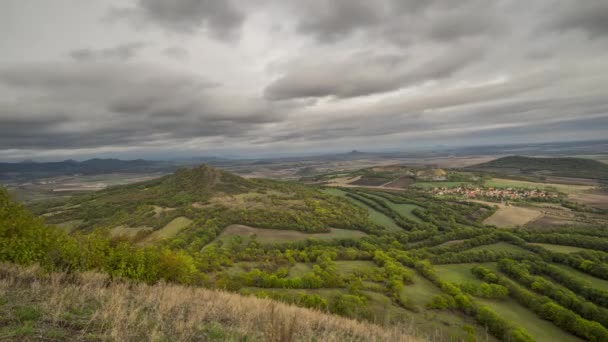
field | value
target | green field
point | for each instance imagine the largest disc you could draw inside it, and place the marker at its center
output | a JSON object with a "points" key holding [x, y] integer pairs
{"points": [[421, 291], [374, 215], [430, 185], [269, 236], [540, 329], [404, 209], [560, 248], [346, 267], [460, 273], [299, 269], [500, 246], [171, 229]]}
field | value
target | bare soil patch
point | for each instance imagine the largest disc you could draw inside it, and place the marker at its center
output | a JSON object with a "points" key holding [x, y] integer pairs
{"points": [[592, 199]]}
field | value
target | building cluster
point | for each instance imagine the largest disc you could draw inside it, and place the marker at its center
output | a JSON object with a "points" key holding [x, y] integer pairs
{"points": [[498, 193]]}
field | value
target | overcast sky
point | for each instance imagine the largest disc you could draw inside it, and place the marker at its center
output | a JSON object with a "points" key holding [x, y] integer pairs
{"points": [[157, 78]]}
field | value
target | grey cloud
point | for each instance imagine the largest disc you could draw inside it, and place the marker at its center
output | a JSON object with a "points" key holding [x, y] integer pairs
{"points": [[589, 16], [398, 21], [221, 19], [360, 75], [176, 53], [121, 52], [331, 20], [109, 104]]}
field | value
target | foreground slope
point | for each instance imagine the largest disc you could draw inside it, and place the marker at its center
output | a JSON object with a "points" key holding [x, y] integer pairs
{"points": [[38, 306]]}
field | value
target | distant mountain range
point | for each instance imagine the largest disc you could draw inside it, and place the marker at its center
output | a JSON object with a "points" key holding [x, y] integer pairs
{"points": [[30, 169]]}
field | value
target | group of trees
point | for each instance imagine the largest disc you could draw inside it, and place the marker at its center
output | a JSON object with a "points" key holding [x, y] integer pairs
{"points": [[575, 284], [567, 239], [454, 297], [562, 296], [549, 310], [27, 240]]}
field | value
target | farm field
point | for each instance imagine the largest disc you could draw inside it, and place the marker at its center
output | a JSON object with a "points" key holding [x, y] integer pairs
{"points": [[510, 216]]}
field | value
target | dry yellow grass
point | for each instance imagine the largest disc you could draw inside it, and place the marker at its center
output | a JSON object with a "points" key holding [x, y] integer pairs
{"points": [[89, 306], [510, 216]]}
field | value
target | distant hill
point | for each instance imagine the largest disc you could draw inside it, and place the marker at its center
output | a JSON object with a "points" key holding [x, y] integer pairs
{"points": [[565, 167], [194, 194], [30, 169]]}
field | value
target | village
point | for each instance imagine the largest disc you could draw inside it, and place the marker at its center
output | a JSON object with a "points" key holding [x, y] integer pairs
{"points": [[496, 193]]}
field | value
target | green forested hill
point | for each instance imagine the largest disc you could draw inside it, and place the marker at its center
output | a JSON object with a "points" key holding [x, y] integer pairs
{"points": [[196, 194], [566, 167]]}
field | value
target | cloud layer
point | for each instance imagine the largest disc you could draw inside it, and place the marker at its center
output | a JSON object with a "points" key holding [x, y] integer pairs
{"points": [[241, 76]]}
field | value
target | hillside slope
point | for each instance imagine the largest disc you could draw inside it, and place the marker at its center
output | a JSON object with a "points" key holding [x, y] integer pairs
{"points": [[566, 167], [57, 306], [198, 203]]}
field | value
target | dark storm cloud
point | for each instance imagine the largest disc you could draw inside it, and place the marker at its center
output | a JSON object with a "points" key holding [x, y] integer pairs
{"points": [[589, 16], [398, 21], [364, 74], [109, 104], [121, 52], [221, 19]]}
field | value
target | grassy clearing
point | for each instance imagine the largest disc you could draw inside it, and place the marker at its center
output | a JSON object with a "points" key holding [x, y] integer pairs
{"points": [[346, 267], [500, 247], [128, 231], [457, 273], [421, 291], [171, 229], [511, 183], [91, 307], [538, 328], [374, 215], [242, 267], [299, 269], [268, 236], [430, 185], [560, 248], [404, 209], [69, 226], [591, 280]]}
